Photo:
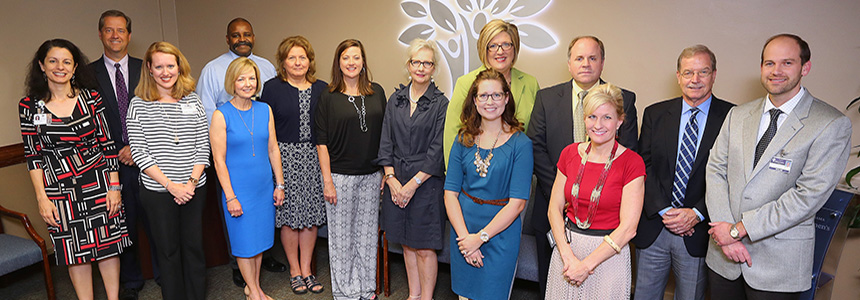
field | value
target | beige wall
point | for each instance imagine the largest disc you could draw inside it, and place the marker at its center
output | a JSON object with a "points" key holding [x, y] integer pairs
{"points": [[643, 39]]}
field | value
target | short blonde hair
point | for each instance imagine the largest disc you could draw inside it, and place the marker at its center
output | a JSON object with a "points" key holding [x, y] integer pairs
{"points": [[606, 93], [147, 89], [238, 67], [418, 45], [284, 49], [490, 31]]}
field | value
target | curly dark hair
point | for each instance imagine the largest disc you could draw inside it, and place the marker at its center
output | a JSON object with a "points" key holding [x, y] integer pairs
{"points": [[470, 118], [36, 84]]}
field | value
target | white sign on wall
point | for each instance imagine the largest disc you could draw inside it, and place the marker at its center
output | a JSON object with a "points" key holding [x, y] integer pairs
{"points": [[456, 24]]}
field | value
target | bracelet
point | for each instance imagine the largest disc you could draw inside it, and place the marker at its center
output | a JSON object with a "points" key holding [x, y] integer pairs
{"points": [[280, 186], [231, 199], [385, 178], [418, 180], [168, 185], [115, 187], [611, 243], [113, 184]]}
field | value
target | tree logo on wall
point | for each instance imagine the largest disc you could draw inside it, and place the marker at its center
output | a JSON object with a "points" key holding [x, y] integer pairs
{"points": [[456, 24]]}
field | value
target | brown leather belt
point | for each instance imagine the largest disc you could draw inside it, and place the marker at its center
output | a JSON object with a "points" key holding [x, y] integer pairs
{"points": [[499, 202]]}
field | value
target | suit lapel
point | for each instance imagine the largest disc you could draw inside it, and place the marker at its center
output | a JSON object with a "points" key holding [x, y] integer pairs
{"points": [[750, 133], [134, 66], [517, 86], [786, 132], [712, 129], [672, 117], [565, 110]]}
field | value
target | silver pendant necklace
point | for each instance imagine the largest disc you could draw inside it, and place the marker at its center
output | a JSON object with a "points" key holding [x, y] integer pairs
{"points": [[362, 120], [251, 130], [167, 120], [483, 165]]}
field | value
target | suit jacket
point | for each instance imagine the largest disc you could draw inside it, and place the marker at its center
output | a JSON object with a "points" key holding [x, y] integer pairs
{"points": [[776, 207], [658, 146], [106, 89], [551, 129]]}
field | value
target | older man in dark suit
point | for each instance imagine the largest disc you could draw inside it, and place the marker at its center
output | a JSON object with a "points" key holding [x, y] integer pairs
{"points": [[557, 121], [677, 136], [118, 74]]}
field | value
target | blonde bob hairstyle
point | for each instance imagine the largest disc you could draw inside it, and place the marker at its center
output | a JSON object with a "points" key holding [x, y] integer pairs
{"points": [[238, 67], [490, 31], [147, 89], [606, 93], [418, 45], [284, 50]]}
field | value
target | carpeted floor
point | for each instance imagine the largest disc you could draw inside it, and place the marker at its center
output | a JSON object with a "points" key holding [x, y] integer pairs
{"points": [[28, 284]]}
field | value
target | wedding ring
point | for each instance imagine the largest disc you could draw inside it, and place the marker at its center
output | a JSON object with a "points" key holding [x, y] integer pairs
{"points": [[464, 252]]}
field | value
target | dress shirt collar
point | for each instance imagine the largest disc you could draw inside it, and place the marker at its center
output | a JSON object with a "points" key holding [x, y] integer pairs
{"points": [[703, 107], [786, 107]]}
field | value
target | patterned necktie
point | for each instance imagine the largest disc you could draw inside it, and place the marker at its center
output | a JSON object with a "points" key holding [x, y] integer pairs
{"points": [[121, 100], [768, 135], [579, 135], [686, 157]]}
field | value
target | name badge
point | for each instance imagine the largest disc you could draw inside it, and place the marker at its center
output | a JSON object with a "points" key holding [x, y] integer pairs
{"points": [[188, 109], [40, 119], [780, 164]]}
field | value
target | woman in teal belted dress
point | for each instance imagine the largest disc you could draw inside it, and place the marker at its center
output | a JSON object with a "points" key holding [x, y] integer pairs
{"points": [[241, 129], [488, 182]]}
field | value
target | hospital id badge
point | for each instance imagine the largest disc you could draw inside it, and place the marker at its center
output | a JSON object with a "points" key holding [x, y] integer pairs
{"points": [[40, 119], [780, 164]]}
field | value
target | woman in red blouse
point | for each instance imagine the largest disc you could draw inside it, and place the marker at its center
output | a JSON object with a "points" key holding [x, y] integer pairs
{"points": [[595, 206]]}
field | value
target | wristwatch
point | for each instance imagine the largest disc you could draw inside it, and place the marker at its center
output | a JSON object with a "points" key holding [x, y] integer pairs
{"points": [[115, 187], [485, 237], [193, 180], [280, 186], [418, 180], [734, 233]]}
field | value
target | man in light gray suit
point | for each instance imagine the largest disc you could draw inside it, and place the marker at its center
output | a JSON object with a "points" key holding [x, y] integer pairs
{"points": [[772, 167]]}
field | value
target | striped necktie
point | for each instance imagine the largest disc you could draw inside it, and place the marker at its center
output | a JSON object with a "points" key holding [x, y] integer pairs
{"points": [[686, 157]]}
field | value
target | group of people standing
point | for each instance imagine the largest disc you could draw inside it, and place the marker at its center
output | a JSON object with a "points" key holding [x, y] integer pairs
{"points": [[93, 134]]}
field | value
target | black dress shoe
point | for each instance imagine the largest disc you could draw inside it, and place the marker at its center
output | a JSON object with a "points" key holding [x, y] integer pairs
{"points": [[272, 265], [238, 280], [128, 294]]}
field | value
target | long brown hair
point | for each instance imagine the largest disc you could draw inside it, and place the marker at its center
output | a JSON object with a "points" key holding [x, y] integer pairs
{"points": [[470, 118], [364, 78]]}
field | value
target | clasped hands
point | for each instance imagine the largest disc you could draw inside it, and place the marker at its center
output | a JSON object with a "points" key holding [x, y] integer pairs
{"points": [[733, 249], [400, 194], [575, 271], [681, 221], [469, 246], [182, 192]]}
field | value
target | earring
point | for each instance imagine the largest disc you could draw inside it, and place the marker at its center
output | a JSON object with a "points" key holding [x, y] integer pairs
{"points": [[44, 76], [72, 81], [410, 77]]}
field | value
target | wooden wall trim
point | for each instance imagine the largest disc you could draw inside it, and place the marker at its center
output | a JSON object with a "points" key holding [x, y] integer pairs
{"points": [[12, 155]]}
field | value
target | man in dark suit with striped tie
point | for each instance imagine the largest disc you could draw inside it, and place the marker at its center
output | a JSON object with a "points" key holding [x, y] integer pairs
{"points": [[675, 142]]}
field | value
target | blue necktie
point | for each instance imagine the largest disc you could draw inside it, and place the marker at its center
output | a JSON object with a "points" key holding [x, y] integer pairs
{"points": [[686, 157]]}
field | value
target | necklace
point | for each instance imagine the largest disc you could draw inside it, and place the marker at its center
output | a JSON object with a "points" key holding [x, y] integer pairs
{"points": [[167, 120], [595, 193], [251, 130], [362, 120], [482, 165]]}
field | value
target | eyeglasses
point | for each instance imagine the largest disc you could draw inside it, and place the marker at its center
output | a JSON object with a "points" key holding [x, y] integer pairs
{"points": [[687, 74], [495, 47], [484, 97], [418, 63]]}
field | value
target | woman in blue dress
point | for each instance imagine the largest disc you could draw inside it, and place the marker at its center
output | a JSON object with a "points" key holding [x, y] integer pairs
{"points": [[488, 182], [239, 129]]}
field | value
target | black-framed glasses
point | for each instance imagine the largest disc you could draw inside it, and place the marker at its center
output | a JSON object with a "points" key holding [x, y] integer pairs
{"points": [[687, 74], [417, 63], [495, 47], [495, 96]]}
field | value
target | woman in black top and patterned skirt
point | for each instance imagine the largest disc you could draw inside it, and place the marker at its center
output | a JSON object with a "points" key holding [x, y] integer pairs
{"points": [[73, 165], [293, 97], [410, 151], [348, 125]]}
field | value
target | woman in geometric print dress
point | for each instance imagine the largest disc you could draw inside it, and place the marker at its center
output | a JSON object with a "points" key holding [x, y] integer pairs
{"points": [[293, 97], [73, 166]]}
